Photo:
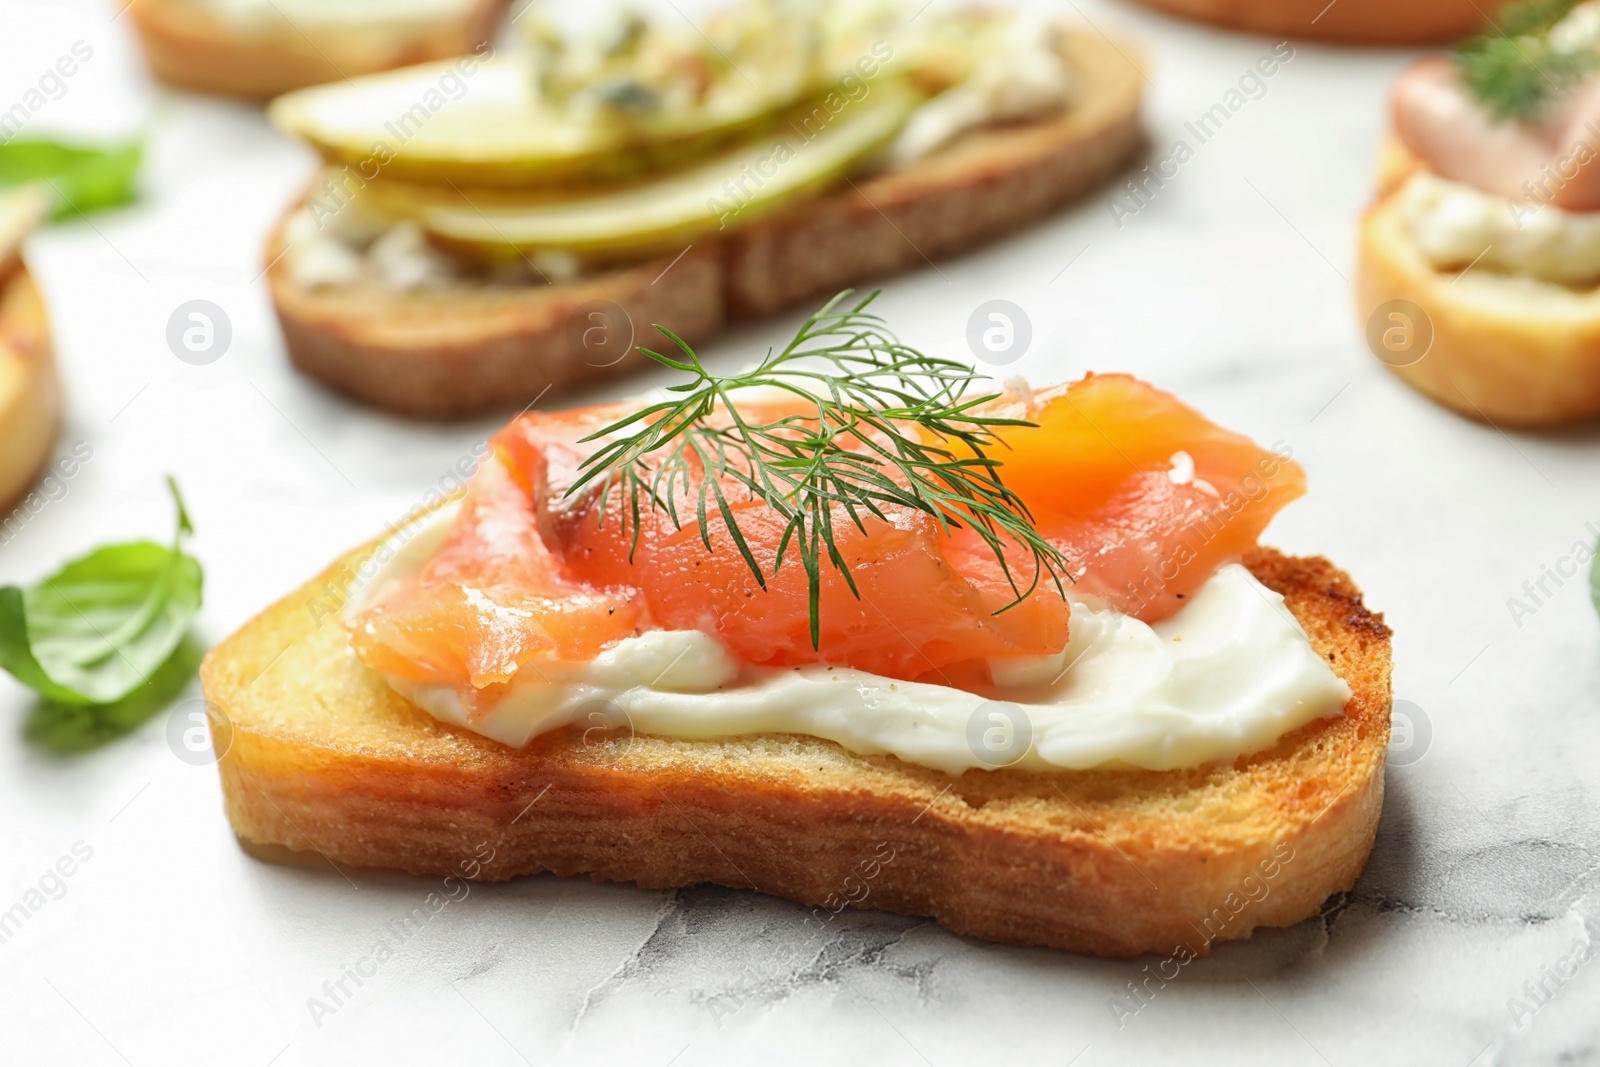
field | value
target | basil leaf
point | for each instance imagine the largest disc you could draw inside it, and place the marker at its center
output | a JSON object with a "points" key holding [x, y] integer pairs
{"points": [[70, 728], [81, 179], [100, 627]]}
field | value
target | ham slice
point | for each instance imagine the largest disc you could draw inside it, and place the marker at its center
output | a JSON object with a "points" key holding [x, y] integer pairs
{"points": [[1555, 161]]}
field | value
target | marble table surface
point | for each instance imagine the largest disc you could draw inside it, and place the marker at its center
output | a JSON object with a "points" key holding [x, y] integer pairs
{"points": [[168, 945]]}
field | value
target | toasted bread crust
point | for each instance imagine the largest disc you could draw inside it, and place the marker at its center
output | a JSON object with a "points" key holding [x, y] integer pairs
{"points": [[1514, 351], [1349, 21], [192, 48], [30, 390], [322, 757], [442, 355], [464, 350]]}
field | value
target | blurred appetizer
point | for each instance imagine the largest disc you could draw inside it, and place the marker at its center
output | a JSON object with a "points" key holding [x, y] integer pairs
{"points": [[849, 628], [1349, 21], [494, 227], [1480, 261], [30, 391], [258, 49]]}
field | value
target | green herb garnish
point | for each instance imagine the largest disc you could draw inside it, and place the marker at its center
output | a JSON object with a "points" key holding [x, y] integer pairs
{"points": [[105, 624], [884, 424], [68, 728], [1513, 70], [81, 179]]}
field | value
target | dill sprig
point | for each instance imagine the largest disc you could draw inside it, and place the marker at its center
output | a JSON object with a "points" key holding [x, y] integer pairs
{"points": [[1513, 70], [882, 425]]}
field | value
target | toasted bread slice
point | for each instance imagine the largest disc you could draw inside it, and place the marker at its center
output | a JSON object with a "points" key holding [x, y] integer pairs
{"points": [[1508, 349], [466, 348], [193, 46], [1349, 21], [30, 391], [321, 756], [456, 352]]}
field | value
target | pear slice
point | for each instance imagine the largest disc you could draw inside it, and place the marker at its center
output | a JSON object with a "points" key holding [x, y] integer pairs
{"points": [[483, 123], [796, 159]]}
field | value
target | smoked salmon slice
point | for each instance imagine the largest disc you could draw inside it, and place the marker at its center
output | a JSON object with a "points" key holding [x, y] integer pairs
{"points": [[1146, 497], [494, 599], [916, 613]]}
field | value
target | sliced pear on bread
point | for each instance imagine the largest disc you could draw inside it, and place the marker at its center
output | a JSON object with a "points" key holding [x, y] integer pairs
{"points": [[734, 187], [468, 349], [435, 123]]}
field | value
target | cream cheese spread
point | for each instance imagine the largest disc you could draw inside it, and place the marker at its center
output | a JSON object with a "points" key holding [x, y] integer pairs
{"points": [[1026, 78], [1228, 674], [1455, 225], [350, 246]]}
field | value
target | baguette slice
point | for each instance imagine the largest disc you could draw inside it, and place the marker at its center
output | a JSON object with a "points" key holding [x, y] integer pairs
{"points": [[30, 391], [459, 351], [1511, 350], [193, 47], [1349, 21], [467, 349], [321, 756]]}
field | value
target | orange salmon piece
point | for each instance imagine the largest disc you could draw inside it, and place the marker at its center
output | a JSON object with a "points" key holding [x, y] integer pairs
{"points": [[1146, 496], [494, 600], [916, 615]]}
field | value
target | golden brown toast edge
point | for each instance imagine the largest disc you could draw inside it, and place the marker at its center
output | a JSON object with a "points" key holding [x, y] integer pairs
{"points": [[322, 757], [459, 352]]}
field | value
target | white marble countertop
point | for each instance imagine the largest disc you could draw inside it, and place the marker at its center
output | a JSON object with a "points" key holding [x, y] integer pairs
{"points": [[170, 946]]}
